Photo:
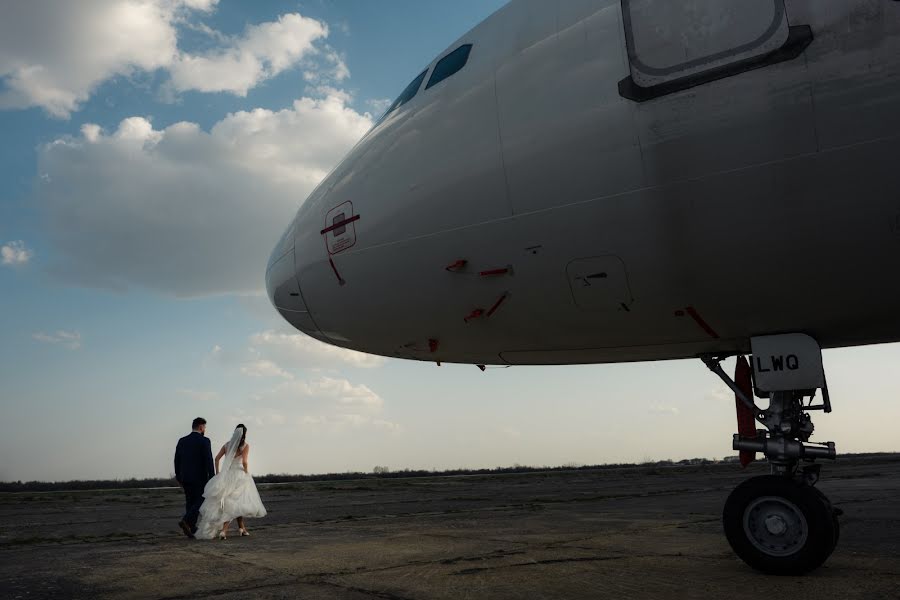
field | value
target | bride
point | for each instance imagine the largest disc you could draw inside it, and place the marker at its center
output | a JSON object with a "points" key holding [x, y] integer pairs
{"points": [[231, 493]]}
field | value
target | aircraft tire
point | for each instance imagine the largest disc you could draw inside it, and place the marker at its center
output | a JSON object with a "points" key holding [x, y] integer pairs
{"points": [[779, 526], [835, 513]]}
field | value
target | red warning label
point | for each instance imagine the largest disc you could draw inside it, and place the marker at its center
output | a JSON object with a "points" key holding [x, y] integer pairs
{"points": [[340, 228]]}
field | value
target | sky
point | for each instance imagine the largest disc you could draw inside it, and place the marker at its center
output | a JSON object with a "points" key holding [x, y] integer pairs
{"points": [[152, 152]]}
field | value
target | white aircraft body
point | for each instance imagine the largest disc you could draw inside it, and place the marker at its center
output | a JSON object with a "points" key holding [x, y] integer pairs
{"points": [[588, 181]]}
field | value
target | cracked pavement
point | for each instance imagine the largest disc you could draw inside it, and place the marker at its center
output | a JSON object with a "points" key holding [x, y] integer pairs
{"points": [[642, 532]]}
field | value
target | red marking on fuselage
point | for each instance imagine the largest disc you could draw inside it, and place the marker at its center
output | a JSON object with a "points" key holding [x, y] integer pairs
{"points": [[340, 224], [703, 324], [475, 314], [497, 304], [336, 274], [458, 265]]}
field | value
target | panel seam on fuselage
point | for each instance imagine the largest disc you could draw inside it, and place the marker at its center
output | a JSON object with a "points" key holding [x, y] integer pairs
{"points": [[509, 203]]}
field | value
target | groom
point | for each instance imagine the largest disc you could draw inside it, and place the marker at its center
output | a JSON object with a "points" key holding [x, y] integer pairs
{"points": [[193, 468]]}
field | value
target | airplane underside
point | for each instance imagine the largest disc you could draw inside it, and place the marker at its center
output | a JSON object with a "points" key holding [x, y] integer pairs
{"points": [[662, 273]]}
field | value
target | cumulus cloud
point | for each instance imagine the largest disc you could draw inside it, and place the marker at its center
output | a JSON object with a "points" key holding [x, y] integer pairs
{"points": [[331, 68], [264, 51], [379, 105], [181, 210], [335, 392], [264, 368], [311, 399], [15, 254], [358, 397], [67, 339], [328, 402], [205, 5], [55, 54], [299, 350]]}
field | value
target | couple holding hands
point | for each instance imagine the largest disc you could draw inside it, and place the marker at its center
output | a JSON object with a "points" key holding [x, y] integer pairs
{"points": [[215, 493]]}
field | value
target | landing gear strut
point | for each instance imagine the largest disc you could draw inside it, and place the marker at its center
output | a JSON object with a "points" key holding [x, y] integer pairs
{"points": [[780, 523]]}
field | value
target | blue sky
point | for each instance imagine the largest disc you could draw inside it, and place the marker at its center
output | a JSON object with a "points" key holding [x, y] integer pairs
{"points": [[148, 161]]}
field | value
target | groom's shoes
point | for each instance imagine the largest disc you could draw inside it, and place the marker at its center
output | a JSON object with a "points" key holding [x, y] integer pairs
{"points": [[186, 528]]}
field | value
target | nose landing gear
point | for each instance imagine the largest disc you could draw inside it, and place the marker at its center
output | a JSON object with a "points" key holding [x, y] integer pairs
{"points": [[780, 523]]}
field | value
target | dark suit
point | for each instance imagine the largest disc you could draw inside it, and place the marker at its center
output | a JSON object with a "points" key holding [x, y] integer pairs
{"points": [[193, 468]]}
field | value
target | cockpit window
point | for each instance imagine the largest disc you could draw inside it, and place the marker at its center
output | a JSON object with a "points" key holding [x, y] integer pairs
{"points": [[450, 65], [408, 94]]}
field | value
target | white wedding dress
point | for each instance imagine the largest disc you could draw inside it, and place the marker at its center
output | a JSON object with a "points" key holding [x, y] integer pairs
{"points": [[230, 494]]}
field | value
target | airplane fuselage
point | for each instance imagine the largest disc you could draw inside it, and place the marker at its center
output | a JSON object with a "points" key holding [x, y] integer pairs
{"points": [[524, 211]]}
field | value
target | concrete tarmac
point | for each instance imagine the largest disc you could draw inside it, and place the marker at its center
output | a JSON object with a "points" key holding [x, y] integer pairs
{"points": [[638, 532]]}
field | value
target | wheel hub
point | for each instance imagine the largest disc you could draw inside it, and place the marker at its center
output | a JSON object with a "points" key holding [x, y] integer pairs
{"points": [[775, 526]]}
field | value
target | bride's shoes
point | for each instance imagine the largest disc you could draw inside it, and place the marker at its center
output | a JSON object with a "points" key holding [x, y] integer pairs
{"points": [[242, 531]]}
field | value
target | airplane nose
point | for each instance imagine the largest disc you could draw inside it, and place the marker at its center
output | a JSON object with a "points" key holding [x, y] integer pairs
{"points": [[284, 291]]}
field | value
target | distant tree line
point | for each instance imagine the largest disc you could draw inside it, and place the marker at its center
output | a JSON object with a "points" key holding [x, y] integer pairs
{"points": [[379, 472]]}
